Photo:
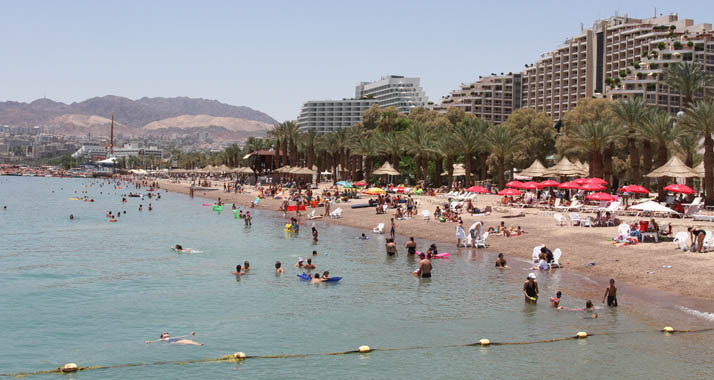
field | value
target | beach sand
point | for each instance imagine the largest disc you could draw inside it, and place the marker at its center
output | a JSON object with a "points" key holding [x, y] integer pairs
{"points": [[690, 274]]}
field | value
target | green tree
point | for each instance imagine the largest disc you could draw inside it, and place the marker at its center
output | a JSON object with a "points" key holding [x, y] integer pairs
{"points": [[419, 142], [631, 113], [592, 138], [699, 119], [658, 127], [688, 79], [537, 133], [467, 141], [502, 141]]}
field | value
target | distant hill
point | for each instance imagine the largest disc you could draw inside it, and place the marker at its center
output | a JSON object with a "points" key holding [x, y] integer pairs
{"points": [[135, 117]]}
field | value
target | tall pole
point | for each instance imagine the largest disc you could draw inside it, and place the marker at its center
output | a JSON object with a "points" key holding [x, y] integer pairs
{"points": [[111, 137]]}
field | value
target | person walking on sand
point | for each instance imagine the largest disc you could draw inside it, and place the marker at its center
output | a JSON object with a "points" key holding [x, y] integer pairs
{"points": [[530, 289], [611, 294]]}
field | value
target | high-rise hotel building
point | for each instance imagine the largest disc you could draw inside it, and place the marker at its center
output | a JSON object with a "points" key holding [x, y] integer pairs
{"points": [[390, 91], [617, 57]]}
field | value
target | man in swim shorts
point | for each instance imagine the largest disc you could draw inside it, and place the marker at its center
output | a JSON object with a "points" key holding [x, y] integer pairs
{"points": [[425, 267], [611, 294], [530, 289], [391, 247]]}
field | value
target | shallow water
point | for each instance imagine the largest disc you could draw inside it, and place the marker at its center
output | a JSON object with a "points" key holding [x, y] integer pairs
{"points": [[92, 292]]}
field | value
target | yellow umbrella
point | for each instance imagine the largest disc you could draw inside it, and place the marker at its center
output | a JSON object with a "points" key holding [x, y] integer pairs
{"points": [[374, 191]]}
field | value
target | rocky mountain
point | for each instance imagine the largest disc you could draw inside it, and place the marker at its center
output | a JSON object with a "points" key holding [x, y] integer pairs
{"points": [[138, 117]]}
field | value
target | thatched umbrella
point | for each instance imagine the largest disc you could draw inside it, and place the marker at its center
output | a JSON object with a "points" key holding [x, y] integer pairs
{"points": [[699, 169], [209, 168], [564, 168], [535, 170], [284, 169], [386, 169], [674, 168], [223, 168], [459, 171], [302, 171]]}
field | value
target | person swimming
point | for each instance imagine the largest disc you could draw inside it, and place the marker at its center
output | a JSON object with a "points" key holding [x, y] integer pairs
{"points": [[555, 301], [363, 237], [316, 279], [71, 216], [299, 263], [279, 267], [165, 337], [239, 271]]}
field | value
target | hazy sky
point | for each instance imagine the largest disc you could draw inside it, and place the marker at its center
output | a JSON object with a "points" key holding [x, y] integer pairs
{"points": [[274, 55]]}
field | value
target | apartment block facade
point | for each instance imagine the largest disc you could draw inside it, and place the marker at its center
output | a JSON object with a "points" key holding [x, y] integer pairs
{"points": [[492, 98], [329, 115], [394, 91], [616, 58]]}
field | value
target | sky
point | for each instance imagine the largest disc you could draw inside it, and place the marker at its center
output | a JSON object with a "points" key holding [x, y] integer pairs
{"points": [[274, 55]]}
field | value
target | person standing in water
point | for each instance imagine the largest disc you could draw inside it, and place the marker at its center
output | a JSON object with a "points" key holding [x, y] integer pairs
{"points": [[425, 267], [279, 268], [530, 289], [392, 230], [611, 294], [391, 247], [411, 246], [248, 219], [501, 262], [314, 235]]}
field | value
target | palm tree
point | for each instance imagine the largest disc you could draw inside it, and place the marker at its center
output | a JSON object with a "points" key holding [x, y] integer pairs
{"points": [[658, 127], [390, 144], [366, 147], [445, 149], [276, 133], [467, 141], [502, 141], [309, 139], [699, 119], [688, 79], [687, 145], [419, 141], [330, 144], [592, 138], [631, 113]]}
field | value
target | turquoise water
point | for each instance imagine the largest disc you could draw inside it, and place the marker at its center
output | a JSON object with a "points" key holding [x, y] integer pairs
{"points": [[92, 292]]}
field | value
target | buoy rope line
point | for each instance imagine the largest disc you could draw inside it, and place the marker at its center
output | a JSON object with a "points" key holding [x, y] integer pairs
{"points": [[240, 356]]}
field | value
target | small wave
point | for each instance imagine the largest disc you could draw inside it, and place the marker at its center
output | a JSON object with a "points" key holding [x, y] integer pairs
{"points": [[697, 313]]}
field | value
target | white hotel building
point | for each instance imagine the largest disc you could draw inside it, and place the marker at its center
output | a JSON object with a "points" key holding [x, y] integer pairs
{"points": [[390, 91]]}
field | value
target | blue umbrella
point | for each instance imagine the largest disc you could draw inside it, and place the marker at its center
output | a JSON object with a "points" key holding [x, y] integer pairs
{"points": [[344, 184]]}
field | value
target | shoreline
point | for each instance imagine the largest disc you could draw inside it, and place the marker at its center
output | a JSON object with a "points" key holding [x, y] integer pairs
{"points": [[641, 290]]}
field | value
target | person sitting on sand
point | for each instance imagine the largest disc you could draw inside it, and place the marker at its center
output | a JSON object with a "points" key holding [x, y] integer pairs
{"points": [[501, 262], [165, 337], [279, 268], [239, 271]]}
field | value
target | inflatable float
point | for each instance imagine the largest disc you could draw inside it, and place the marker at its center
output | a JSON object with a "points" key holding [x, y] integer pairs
{"points": [[306, 277], [442, 255]]}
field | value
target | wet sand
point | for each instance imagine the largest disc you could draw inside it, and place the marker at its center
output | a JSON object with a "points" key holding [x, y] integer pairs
{"points": [[637, 268]]}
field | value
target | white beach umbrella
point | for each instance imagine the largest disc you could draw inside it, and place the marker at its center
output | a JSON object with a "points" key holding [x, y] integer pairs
{"points": [[653, 206]]}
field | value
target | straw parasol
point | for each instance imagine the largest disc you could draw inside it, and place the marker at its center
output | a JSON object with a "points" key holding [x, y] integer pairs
{"points": [[699, 169], [209, 168], [284, 169], [223, 168], [386, 169], [535, 170], [564, 168], [673, 168], [459, 171]]}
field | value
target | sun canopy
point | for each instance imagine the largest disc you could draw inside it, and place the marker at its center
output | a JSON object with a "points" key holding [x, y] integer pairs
{"points": [[535, 170], [386, 169], [674, 168], [564, 168], [652, 206]]}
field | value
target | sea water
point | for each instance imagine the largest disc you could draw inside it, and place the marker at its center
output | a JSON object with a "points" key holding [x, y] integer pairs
{"points": [[91, 292]]}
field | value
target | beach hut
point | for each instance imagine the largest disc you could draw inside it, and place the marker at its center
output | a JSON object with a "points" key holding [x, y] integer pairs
{"points": [[674, 168], [535, 170]]}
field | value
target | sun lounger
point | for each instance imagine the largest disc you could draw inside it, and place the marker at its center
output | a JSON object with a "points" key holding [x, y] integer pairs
{"points": [[379, 229], [536, 253], [426, 214], [681, 240], [704, 218], [556, 259], [481, 242], [560, 220]]}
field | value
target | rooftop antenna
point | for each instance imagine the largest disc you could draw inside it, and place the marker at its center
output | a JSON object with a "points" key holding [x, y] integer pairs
{"points": [[582, 27], [655, 13]]}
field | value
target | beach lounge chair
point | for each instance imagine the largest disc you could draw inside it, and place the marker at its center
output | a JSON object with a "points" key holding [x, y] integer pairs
{"points": [[708, 243], [536, 253], [575, 205], [481, 242], [623, 231], [312, 215], [586, 222], [556, 258], [560, 220], [691, 211], [379, 229], [575, 218], [336, 213], [703, 217], [426, 214], [681, 240]]}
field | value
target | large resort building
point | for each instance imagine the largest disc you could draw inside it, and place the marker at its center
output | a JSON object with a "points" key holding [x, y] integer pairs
{"points": [[390, 91], [618, 57]]}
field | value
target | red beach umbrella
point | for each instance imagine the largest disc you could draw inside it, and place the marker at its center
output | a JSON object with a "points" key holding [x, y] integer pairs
{"points": [[515, 184], [634, 189], [549, 183], [477, 189], [580, 181], [599, 197], [569, 185], [678, 188], [592, 187], [509, 192], [531, 185], [599, 181], [360, 183]]}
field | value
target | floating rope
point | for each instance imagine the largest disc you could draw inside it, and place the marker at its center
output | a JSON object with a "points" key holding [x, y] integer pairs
{"points": [[240, 356]]}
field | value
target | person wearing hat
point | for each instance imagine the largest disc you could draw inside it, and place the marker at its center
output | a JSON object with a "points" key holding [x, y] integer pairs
{"points": [[299, 263], [530, 289]]}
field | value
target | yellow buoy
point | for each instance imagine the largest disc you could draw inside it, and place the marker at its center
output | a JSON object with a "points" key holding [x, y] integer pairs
{"points": [[239, 355], [668, 329], [70, 367], [484, 342], [581, 334], [364, 349]]}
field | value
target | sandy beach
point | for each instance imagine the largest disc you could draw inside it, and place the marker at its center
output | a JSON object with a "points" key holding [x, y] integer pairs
{"points": [[645, 265]]}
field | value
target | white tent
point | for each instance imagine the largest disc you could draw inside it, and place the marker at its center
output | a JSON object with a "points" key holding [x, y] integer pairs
{"points": [[652, 206]]}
